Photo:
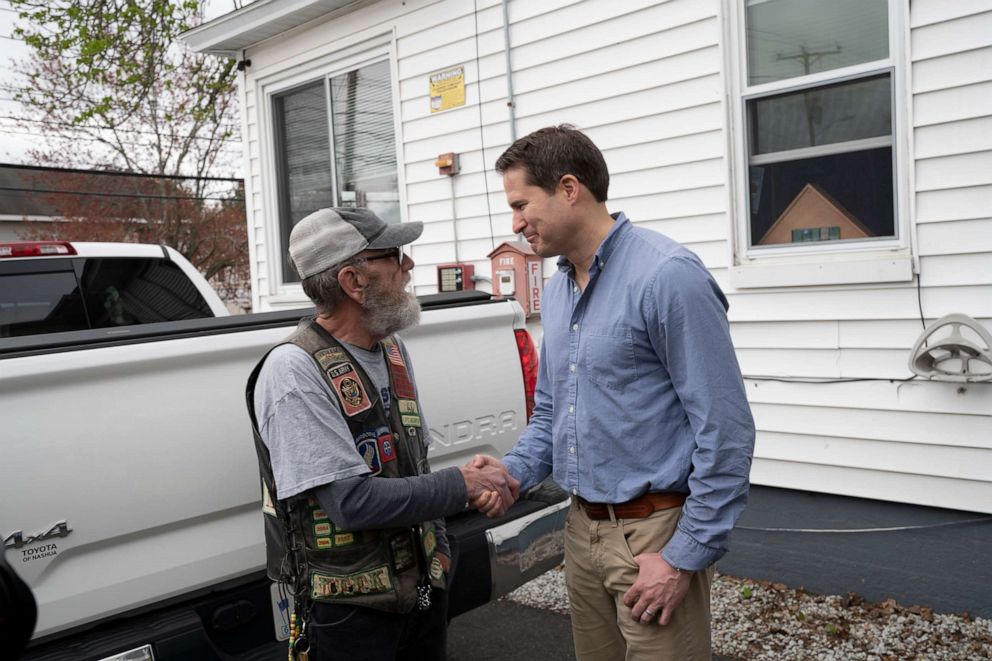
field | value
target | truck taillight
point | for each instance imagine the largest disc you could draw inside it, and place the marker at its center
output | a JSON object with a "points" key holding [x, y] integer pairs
{"points": [[528, 364], [36, 249]]}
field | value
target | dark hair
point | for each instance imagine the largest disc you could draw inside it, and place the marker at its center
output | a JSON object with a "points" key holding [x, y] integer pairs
{"points": [[548, 154]]}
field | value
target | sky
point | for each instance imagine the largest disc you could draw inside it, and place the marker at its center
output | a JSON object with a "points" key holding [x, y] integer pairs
{"points": [[14, 141]]}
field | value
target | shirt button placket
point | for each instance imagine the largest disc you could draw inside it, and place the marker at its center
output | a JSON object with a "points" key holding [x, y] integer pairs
{"points": [[570, 435]]}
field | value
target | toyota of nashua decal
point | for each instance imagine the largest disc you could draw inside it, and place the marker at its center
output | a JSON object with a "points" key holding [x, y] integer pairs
{"points": [[18, 540]]}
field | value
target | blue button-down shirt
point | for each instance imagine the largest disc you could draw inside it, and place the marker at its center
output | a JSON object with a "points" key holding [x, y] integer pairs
{"points": [[639, 390]]}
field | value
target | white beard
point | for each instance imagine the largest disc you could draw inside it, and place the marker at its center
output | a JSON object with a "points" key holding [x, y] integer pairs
{"points": [[388, 310]]}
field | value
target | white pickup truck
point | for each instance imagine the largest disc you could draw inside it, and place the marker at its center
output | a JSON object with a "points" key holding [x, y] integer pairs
{"points": [[129, 489]]}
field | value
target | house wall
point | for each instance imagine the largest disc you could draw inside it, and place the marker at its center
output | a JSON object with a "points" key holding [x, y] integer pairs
{"points": [[13, 228], [920, 442], [10, 229], [646, 80]]}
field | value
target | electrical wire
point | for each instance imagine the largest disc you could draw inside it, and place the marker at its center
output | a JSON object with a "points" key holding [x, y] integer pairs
{"points": [[53, 123], [813, 380], [835, 531], [117, 173], [86, 139], [124, 195], [482, 139], [919, 298]]}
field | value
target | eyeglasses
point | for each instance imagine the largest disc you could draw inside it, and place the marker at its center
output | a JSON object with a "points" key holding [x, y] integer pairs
{"points": [[393, 253]]}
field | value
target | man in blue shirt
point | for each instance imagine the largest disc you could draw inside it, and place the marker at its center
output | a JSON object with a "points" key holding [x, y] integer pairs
{"points": [[640, 408]]}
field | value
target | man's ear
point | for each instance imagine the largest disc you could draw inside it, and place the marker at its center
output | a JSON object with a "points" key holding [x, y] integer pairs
{"points": [[569, 186], [352, 283]]}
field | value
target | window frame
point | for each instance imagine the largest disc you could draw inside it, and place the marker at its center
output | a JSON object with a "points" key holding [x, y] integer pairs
{"points": [[365, 49], [883, 259]]}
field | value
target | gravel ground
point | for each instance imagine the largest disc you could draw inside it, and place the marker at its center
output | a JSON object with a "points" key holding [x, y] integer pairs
{"points": [[761, 620]]}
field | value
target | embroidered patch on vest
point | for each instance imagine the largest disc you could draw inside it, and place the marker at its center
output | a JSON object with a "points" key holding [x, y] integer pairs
{"points": [[387, 450], [410, 420], [430, 542], [268, 507], [367, 445], [319, 515], [328, 536], [397, 369], [327, 357], [330, 586], [403, 556], [349, 389], [436, 571], [408, 406]]}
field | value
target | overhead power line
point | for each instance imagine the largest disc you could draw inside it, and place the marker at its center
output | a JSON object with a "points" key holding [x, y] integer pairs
{"points": [[118, 173], [48, 122], [85, 139], [126, 195]]}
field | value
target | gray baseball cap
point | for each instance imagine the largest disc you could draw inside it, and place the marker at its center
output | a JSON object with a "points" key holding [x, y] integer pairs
{"points": [[328, 237]]}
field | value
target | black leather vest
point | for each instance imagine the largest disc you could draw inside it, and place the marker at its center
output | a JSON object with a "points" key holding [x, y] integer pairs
{"points": [[304, 548]]}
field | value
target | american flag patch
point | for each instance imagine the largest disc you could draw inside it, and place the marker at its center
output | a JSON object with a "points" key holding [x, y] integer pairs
{"points": [[402, 387], [393, 354]]}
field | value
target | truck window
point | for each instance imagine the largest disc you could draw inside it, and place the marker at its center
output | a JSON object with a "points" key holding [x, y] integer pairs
{"points": [[123, 291], [40, 302], [44, 295]]}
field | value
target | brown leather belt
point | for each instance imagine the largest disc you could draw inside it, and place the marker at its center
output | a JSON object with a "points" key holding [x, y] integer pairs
{"points": [[638, 508]]}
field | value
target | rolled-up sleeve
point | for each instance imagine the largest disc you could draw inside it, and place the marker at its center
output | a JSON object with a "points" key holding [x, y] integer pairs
{"points": [[688, 329], [530, 460]]}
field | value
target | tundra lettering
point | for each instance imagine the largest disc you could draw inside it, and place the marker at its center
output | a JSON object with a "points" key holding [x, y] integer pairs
{"points": [[465, 431]]}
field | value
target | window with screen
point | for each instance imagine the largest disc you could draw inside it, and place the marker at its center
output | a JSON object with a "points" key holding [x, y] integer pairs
{"points": [[335, 145], [819, 126]]}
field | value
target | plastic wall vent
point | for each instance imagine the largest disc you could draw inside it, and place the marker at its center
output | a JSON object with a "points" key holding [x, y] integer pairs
{"points": [[953, 348]]}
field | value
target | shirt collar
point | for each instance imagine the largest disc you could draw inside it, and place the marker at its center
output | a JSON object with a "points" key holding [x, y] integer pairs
{"points": [[620, 226]]}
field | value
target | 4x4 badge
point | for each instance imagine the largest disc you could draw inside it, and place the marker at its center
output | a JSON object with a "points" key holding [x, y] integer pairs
{"points": [[16, 539]]}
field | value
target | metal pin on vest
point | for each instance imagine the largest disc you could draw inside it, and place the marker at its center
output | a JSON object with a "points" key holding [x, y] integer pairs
{"points": [[424, 596]]}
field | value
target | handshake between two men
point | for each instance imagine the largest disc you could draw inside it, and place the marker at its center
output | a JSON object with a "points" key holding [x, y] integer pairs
{"points": [[491, 489]]}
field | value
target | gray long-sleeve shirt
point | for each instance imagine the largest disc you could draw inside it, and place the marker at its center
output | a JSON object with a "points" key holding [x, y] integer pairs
{"points": [[311, 447]]}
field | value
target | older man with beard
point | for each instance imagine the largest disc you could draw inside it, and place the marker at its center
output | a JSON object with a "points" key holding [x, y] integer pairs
{"points": [[353, 516]]}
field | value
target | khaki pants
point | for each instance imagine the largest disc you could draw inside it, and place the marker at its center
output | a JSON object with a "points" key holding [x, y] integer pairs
{"points": [[600, 568]]}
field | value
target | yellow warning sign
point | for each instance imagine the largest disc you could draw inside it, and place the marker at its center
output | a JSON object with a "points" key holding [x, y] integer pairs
{"points": [[447, 89]]}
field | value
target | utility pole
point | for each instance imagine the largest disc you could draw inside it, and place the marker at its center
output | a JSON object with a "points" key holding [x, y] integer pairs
{"points": [[808, 58]]}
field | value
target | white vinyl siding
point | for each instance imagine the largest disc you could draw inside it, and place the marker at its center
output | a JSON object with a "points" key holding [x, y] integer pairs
{"points": [[642, 78], [917, 442], [647, 80]]}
